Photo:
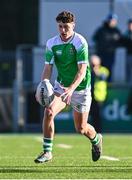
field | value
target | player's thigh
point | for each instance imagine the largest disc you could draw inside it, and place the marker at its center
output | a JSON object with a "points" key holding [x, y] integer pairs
{"points": [[56, 106]]}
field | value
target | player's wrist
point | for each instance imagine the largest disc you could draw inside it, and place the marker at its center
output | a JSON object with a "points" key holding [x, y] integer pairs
{"points": [[45, 79]]}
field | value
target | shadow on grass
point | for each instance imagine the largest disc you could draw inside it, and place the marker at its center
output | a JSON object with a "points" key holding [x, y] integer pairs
{"points": [[19, 170], [64, 169]]}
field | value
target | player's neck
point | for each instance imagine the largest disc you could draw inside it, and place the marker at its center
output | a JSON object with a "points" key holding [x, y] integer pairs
{"points": [[67, 38]]}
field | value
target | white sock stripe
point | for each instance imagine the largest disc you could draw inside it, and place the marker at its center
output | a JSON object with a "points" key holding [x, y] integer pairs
{"points": [[48, 148]]}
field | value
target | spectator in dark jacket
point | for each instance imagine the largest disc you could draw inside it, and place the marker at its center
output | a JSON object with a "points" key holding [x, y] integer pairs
{"points": [[107, 39]]}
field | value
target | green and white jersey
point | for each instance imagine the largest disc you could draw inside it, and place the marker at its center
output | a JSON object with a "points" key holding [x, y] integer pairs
{"points": [[67, 56]]}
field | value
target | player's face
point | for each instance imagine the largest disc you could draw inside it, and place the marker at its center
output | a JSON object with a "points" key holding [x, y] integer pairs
{"points": [[66, 30]]}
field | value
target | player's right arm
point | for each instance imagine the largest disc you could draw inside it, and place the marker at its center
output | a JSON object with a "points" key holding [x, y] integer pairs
{"points": [[47, 71], [49, 60]]}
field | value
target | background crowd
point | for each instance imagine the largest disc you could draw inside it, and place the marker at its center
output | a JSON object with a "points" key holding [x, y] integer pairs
{"points": [[107, 38]]}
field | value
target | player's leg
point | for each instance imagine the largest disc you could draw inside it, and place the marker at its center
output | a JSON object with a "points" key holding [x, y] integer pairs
{"points": [[83, 127], [81, 102], [48, 129]]}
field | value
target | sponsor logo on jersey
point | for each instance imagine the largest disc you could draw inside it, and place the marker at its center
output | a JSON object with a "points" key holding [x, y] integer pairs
{"points": [[59, 52]]}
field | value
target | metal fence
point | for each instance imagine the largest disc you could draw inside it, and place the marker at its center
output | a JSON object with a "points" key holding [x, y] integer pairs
{"points": [[18, 109], [7, 76]]}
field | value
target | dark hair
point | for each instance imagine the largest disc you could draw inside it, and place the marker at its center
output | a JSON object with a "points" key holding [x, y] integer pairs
{"points": [[65, 17]]}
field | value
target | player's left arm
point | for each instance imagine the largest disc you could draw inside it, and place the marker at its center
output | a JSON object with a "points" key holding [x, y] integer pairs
{"points": [[79, 76]]}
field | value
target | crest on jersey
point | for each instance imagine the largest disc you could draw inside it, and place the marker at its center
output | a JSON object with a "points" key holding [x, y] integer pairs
{"points": [[71, 51]]}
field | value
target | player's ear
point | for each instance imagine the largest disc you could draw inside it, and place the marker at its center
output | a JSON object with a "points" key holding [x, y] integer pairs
{"points": [[73, 25]]}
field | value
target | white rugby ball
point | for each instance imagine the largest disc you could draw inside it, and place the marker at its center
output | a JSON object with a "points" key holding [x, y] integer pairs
{"points": [[45, 93]]}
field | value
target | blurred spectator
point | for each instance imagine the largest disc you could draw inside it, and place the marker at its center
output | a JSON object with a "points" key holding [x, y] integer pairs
{"points": [[128, 45], [99, 90], [107, 39]]}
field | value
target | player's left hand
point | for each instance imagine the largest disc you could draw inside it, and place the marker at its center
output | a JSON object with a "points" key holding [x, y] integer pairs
{"points": [[66, 96]]}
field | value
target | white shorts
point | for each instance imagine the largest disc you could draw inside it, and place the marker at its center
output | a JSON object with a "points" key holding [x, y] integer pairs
{"points": [[80, 100]]}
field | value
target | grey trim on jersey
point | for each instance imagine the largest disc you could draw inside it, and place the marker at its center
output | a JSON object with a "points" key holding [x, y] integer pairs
{"points": [[51, 62], [82, 62], [77, 40]]}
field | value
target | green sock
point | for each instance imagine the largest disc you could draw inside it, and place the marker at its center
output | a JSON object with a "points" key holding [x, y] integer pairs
{"points": [[47, 144], [95, 140]]}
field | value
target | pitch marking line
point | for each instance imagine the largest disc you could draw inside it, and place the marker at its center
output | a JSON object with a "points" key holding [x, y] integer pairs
{"points": [[39, 139], [109, 158], [65, 146]]}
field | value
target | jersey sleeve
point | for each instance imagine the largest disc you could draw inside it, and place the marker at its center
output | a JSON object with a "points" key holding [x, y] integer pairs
{"points": [[82, 53], [49, 57]]}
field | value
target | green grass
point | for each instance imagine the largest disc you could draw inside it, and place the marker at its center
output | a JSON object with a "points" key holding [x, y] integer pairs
{"points": [[17, 153]]}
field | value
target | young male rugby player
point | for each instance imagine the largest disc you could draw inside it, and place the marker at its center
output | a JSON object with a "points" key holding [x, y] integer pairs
{"points": [[69, 52]]}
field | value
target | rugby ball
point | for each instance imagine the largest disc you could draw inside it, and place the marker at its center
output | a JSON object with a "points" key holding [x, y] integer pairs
{"points": [[44, 93]]}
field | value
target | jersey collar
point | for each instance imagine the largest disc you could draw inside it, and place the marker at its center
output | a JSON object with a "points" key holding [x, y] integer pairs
{"points": [[68, 40]]}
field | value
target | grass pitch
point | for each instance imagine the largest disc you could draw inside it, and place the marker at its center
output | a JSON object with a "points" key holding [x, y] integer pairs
{"points": [[72, 158]]}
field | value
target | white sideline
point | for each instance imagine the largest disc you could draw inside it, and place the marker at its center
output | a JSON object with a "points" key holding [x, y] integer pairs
{"points": [[65, 146], [39, 139], [110, 158]]}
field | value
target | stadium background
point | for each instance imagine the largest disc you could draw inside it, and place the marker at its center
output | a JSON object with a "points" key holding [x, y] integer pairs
{"points": [[25, 26]]}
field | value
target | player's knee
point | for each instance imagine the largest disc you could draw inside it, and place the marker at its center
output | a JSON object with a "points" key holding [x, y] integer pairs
{"points": [[49, 112]]}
